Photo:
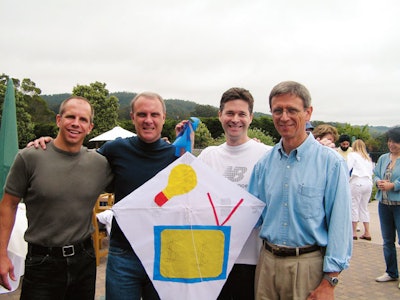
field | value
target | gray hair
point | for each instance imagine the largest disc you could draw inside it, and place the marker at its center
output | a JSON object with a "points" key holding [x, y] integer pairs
{"points": [[292, 88], [150, 95]]}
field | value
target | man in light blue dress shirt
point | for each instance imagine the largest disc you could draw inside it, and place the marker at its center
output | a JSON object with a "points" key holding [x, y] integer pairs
{"points": [[306, 225]]}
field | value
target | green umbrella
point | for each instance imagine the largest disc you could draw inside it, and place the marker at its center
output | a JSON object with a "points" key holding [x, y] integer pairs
{"points": [[8, 134]]}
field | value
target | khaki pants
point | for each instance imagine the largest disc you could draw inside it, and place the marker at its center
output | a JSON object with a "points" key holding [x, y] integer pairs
{"points": [[287, 278]]}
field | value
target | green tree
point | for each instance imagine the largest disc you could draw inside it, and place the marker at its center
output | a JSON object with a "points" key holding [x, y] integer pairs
{"points": [[381, 147], [105, 106], [25, 126], [28, 87], [202, 137], [204, 111], [266, 125], [355, 132], [39, 110], [214, 126], [45, 129], [359, 132], [261, 136], [168, 130], [179, 109], [127, 124], [253, 133]]}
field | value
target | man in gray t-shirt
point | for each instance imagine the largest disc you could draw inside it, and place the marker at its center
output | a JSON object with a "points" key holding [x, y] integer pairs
{"points": [[59, 187]]}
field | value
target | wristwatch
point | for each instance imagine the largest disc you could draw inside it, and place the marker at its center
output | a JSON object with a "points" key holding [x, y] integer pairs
{"points": [[332, 280]]}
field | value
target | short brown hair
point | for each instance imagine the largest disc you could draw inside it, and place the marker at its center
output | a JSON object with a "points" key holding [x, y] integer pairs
{"points": [[236, 93], [324, 129]]}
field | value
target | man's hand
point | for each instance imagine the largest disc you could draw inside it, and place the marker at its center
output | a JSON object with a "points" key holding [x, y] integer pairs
{"points": [[40, 142], [179, 128], [8, 210], [6, 268], [325, 291]]}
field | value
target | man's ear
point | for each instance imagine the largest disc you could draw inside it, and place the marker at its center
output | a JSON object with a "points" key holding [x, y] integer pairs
{"points": [[90, 128], [58, 120], [309, 111]]}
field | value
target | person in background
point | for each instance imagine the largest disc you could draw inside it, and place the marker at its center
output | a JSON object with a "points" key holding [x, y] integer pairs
{"points": [[306, 224], [344, 145], [235, 160], [59, 199], [361, 168], [309, 126], [326, 134], [387, 180]]}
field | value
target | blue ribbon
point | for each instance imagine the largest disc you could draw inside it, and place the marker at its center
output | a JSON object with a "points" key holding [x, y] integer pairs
{"points": [[183, 139]]}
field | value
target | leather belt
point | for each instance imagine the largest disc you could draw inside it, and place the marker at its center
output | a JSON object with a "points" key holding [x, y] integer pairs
{"points": [[286, 251], [64, 251]]}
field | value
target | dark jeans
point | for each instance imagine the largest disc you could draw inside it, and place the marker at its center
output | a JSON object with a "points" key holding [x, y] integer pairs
{"points": [[389, 217], [54, 278], [240, 283]]}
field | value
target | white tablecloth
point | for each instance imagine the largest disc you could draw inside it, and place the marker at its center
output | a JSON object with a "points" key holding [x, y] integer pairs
{"points": [[105, 218], [17, 247]]}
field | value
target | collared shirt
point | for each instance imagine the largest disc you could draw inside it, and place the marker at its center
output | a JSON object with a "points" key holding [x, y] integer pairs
{"points": [[308, 200]]}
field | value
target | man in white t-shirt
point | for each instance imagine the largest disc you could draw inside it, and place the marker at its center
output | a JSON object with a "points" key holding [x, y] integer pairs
{"points": [[235, 160]]}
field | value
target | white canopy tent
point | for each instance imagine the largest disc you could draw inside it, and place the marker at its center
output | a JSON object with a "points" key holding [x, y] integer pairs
{"points": [[112, 134]]}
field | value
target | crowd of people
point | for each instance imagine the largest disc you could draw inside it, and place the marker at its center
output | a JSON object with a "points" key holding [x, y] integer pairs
{"points": [[301, 243]]}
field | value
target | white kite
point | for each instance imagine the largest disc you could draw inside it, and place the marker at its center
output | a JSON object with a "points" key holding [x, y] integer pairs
{"points": [[188, 225]]}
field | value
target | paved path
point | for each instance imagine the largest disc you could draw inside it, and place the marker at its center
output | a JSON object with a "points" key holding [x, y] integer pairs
{"points": [[357, 282], [367, 263]]}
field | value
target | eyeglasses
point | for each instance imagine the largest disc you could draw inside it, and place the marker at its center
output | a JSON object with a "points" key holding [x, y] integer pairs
{"points": [[291, 112]]}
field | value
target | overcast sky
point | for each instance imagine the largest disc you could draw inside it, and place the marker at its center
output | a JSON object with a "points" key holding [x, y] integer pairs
{"points": [[347, 53]]}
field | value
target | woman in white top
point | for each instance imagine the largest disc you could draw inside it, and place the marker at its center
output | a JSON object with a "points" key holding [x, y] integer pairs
{"points": [[361, 168]]}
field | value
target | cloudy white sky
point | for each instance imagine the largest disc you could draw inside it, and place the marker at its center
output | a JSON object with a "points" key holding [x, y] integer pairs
{"points": [[346, 52]]}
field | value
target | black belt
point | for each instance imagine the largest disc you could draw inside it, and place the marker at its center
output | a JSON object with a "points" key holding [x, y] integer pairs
{"points": [[286, 251], [65, 251]]}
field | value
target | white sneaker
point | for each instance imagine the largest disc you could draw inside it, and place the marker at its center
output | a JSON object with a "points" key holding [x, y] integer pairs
{"points": [[385, 277], [399, 285]]}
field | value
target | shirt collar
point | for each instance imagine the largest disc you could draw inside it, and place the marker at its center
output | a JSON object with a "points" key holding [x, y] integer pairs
{"points": [[299, 151]]}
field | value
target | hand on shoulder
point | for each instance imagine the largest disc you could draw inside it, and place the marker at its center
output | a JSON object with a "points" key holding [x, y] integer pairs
{"points": [[40, 142], [326, 142]]}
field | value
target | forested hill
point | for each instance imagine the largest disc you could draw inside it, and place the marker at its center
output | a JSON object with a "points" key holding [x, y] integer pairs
{"points": [[177, 109]]}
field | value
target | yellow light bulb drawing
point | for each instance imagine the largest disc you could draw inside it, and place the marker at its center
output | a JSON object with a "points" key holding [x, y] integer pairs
{"points": [[181, 180]]}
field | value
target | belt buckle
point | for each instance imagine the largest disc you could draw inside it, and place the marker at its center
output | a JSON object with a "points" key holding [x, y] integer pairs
{"points": [[68, 250]]}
